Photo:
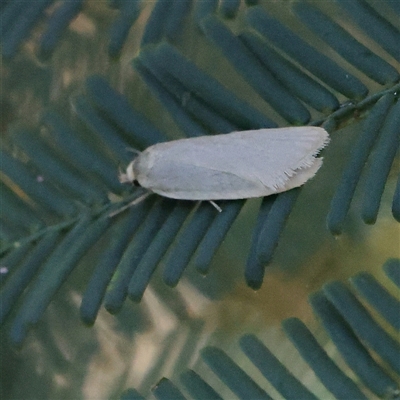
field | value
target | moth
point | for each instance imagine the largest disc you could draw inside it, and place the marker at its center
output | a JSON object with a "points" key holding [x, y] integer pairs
{"points": [[238, 165]]}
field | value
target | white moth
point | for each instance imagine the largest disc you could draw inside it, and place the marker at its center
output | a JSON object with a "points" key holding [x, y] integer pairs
{"points": [[237, 165]]}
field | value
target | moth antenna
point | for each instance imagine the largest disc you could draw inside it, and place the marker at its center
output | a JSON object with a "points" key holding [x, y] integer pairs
{"points": [[132, 150], [132, 203]]}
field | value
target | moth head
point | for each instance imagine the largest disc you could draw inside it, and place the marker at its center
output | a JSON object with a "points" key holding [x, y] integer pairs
{"points": [[129, 176]]}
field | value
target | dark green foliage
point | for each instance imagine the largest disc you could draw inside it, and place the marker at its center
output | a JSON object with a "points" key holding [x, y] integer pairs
{"points": [[190, 112], [344, 193], [396, 201], [327, 371], [18, 18], [273, 370], [117, 108], [229, 8], [381, 161], [363, 324], [55, 270], [348, 47], [357, 337], [156, 250], [129, 12], [216, 233], [45, 195], [392, 269], [118, 287], [380, 29], [187, 243], [58, 23], [295, 80], [61, 173], [350, 346], [166, 390], [241, 384], [308, 56], [197, 387], [192, 80], [110, 259], [288, 106], [131, 394], [385, 303], [254, 269]]}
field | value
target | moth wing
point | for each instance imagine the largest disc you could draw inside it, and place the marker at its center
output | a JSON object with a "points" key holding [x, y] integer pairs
{"points": [[271, 156], [191, 182], [236, 165]]}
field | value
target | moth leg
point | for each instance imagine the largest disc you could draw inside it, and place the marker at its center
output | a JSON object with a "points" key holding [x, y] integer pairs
{"points": [[132, 203], [219, 209]]}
